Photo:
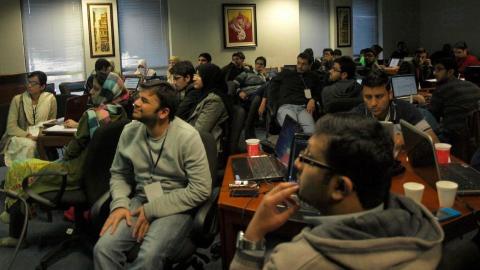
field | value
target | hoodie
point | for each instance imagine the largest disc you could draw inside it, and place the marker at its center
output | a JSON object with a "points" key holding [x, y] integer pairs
{"points": [[347, 92], [405, 235]]}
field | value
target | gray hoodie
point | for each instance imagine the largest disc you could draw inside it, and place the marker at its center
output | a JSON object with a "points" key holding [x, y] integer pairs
{"points": [[402, 236], [346, 92]]}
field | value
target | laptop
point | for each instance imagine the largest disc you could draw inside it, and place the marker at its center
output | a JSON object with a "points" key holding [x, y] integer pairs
{"points": [[394, 62], [300, 142], [75, 107], [421, 155], [131, 83], [404, 86], [268, 168]]}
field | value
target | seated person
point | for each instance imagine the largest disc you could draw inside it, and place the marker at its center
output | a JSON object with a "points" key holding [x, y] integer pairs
{"points": [[445, 52], [401, 52], [183, 73], [144, 70], [421, 66], [211, 109], [379, 103], [370, 62], [378, 51], [452, 100], [337, 53], [327, 59], [248, 83], [317, 64], [344, 88], [103, 94], [101, 65], [463, 58], [204, 58], [26, 113], [296, 92], [234, 68], [153, 201], [345, 174], [171, 62]]}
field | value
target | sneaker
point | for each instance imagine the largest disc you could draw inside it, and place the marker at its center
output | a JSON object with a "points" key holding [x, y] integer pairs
{"points": [[5, 217], [11, 242]]}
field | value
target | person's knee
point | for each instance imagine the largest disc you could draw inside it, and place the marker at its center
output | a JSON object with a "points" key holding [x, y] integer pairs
{"points": [[102, 248]]}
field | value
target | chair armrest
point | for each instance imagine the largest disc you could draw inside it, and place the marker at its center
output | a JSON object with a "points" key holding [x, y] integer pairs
{"points": [[40, 199], [97, 206], [205, 221]]}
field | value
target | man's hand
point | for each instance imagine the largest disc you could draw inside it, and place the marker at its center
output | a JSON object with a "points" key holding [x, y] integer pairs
{"points": [[311, 106], [115, 217], [142, 224], [70, 123], [262, 107], [242, 95], [268, 218]]}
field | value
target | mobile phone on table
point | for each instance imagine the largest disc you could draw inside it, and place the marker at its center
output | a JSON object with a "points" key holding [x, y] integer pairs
{"points": [[446, 214]]}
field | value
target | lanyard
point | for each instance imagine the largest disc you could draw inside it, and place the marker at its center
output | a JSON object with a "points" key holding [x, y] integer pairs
{"points": [[303, 81], [154, 164], [34, 109]]}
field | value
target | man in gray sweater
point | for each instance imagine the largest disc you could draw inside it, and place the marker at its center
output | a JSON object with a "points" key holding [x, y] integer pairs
{"points": [[159, 174], [345, 173]]}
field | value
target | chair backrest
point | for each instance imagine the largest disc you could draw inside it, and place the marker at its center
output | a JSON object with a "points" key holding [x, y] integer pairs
{"points": [[100, 153], [3, 118], [69, 87], [236, 126], [61, 104], [50, 88], [211, 150]]}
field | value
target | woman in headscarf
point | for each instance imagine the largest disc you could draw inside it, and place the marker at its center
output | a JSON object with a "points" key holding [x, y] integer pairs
{"points": [[27, 112], [143, 70], [106, 93], [212, 106]]}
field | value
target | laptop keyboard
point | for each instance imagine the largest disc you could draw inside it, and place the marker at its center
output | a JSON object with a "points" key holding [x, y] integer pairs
{"points": [[262, 167], [466, 177]]}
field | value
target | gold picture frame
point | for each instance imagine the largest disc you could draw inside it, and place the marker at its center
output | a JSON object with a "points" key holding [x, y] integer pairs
{"points": [[239, 25], [100, 30], [344, 27]]}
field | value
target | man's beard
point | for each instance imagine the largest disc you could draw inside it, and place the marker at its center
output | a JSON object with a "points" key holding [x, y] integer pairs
{"points": [[148, 121]]}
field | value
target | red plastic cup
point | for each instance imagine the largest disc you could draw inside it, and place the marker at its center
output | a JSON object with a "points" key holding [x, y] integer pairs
{"points": [[253, 147], [442, 151]]}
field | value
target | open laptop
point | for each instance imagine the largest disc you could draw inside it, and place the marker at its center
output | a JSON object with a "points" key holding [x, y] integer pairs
{"points": [[131, 83], [269, 168], [421, 155], [404, 86], [394, 62], [75, 107]]}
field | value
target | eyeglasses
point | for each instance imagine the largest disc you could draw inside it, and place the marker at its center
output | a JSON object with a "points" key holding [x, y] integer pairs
{"points": [[33, 83], [308, 160], [260, 64]]}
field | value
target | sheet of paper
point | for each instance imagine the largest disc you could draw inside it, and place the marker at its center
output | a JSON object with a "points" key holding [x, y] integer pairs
{"points": [[60, 129]]}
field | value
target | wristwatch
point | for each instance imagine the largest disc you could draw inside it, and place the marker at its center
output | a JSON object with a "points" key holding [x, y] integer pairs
{"points": [[247, 245]]}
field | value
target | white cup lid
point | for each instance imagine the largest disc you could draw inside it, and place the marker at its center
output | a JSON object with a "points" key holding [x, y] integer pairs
{"points": [[413, 186]]}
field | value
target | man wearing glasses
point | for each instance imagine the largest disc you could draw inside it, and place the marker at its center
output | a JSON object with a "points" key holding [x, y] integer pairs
{"points": [[344, 173], [344, 89]]}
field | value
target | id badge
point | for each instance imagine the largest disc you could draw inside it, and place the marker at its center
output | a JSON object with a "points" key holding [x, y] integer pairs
{"points": [[153, 191], [308, 93]]}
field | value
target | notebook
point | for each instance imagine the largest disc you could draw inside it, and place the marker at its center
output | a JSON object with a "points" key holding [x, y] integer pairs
{"points": [[269, 168], [421, 155]]}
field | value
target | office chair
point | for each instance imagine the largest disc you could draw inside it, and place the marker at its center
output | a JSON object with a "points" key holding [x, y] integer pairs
{"points": [[95, 182], [69, 87], [466, 142], [50, 88], [205, 222]]}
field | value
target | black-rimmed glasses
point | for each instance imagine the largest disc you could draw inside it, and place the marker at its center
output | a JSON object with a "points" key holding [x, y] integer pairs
{"points": [[308, 160]]}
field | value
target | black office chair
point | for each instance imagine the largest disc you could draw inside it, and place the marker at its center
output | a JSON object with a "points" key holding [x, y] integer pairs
{"points": [[69, 87], [95, 182], [205, 222], [50, 88], [61, 104]]}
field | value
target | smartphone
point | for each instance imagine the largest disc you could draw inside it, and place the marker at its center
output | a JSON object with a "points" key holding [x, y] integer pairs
{"points": [[446, 214]]}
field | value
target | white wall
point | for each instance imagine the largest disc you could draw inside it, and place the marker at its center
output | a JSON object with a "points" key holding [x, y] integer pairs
{"points": [[90, 62], [443, 21], [12, 56], [314, 25], [333, 25], [196, 27]]}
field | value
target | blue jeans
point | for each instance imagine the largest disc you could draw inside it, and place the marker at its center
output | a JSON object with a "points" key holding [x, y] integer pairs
{"points": [[298, 113], [163, 240]]}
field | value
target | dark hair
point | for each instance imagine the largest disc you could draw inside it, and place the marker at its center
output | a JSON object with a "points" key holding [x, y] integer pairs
{"points": [[328, 50], [206, 56], [165, 93], [337, 52], [420, 50], [239, 55], [263, 59], [460, 45], [347, 65], [305, 55], [41, 76], [377, 49], [376, 78], [448, 63], [183, 68], [101, 64], [361, 149], [368, 50]]}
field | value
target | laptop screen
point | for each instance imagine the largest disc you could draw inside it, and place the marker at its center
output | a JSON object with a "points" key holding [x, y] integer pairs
{"points": [[420, 152], [300, 142], [284, 142], [404, 85], [131, 83]]}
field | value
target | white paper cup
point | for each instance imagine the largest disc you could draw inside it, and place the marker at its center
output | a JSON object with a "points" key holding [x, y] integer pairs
{"points": [[414, 191], [447, 190]]}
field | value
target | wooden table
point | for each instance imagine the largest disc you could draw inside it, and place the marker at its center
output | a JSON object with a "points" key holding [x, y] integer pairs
{"points": [[45, 141], [235, 212]]}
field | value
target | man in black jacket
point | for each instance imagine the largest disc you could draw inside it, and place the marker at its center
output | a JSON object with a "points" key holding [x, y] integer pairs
{"points": [[296, 92]]}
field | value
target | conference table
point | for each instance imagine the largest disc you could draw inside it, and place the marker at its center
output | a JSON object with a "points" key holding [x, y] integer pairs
{"points": [[236, 212], [47, 140]]}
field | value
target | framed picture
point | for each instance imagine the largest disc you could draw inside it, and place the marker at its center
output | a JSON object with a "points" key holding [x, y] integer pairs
{"points": [[344, 27], [239, 25], [100, 29]]}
